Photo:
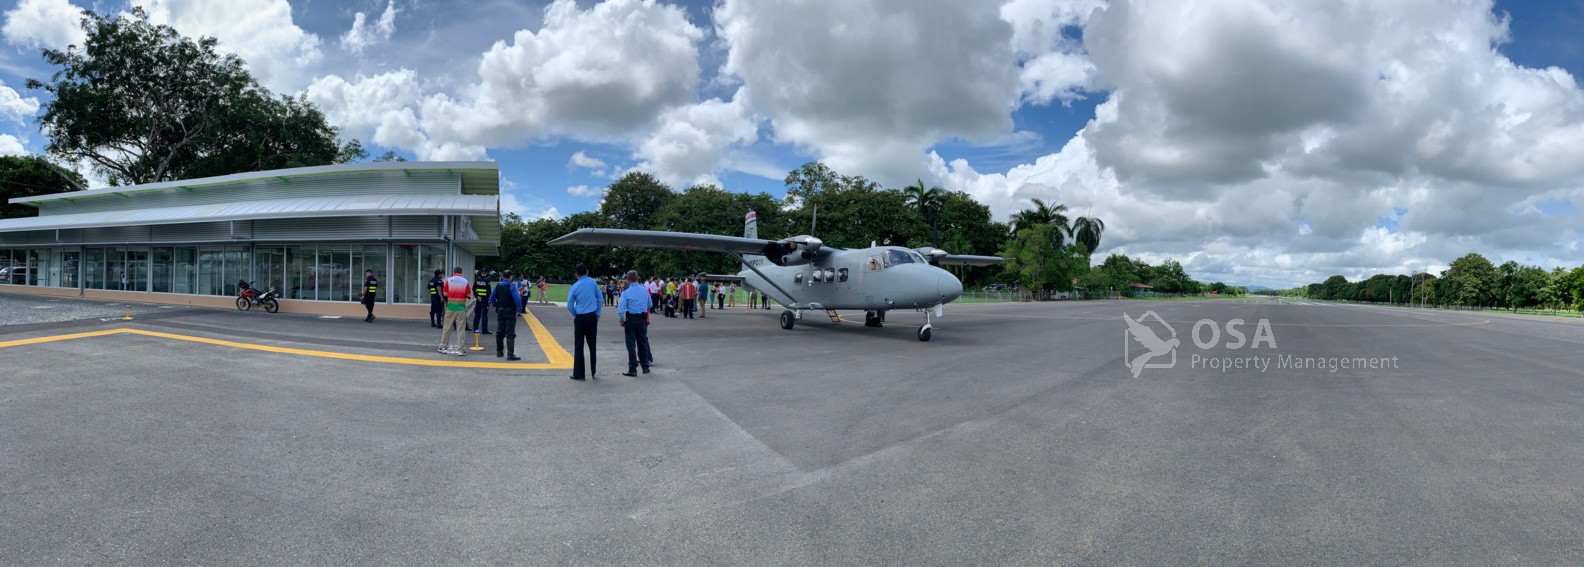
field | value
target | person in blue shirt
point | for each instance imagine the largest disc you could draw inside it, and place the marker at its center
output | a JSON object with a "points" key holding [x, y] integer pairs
{"points": [[583, 302], [507, 301], [633, 312], [704, 296]]}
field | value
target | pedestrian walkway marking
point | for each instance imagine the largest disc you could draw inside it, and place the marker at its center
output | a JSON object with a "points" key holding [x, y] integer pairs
{"points": [[559, 358]]}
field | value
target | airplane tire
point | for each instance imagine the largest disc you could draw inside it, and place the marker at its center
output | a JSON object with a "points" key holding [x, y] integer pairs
{"points": [[871, 319], [924, 333], [787, 320]]}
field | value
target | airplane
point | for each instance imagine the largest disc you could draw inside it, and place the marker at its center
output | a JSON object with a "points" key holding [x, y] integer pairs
{"points": [[803, 273]]}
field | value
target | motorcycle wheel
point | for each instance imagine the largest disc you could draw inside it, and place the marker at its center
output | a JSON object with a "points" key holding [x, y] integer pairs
{"points": [[243, 304], [270, 305]]}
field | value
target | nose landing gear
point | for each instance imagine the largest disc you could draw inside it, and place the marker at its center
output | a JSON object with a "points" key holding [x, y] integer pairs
{"points": [[924, 332]]}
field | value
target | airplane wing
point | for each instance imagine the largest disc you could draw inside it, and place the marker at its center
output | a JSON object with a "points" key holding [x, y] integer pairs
{"points": [[967, 260], [663, 239]]}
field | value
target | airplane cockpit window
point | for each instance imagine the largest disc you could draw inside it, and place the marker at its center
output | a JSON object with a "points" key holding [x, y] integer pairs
{"points": [[895, 257]]}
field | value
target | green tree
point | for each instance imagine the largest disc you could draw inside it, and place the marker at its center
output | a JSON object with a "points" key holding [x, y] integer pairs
{"points": [[1472, 280], [1524, 286], [927, 202], [1037, 257], [1087, 230], [28, 176], [633, 201], [145, 104], [1042, 213]]}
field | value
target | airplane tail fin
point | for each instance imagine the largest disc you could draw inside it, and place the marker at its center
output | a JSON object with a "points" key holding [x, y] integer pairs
{"points": [[751, 225]]}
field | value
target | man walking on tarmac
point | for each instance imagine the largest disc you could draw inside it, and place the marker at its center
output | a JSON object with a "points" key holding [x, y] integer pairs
{"points": [[481, 292], [370, 288], [508, 302], [436, 300]]}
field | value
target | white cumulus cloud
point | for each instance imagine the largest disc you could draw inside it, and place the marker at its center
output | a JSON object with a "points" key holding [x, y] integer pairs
{"points": [[16, 107], [44, 23], [11, 146], [869, 85], [364, 34], [261, 32], [584, 161]]}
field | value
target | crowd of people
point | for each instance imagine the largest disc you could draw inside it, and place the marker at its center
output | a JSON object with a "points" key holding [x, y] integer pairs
{"points": [[458, 307]]}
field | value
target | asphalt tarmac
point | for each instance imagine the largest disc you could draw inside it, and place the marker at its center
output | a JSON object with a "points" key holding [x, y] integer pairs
{"points": [[1017, 435]]}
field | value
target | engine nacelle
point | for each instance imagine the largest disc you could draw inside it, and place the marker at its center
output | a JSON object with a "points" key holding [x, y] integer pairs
{"points": [[793, 251], [934, 255]]}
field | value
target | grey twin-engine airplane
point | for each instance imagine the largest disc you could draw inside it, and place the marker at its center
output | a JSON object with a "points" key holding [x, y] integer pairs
{"points": [[802, 273]]}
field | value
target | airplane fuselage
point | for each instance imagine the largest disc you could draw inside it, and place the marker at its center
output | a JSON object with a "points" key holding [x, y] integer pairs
{"points": [[871, 279]]}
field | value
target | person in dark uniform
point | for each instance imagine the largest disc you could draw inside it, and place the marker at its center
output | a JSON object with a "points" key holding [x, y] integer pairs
{"points": [[370, 287], [481, 292], [507, 301], [436, 301]]}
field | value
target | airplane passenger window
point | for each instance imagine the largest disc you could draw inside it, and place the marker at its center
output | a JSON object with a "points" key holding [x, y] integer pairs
{"points": [[814, 276], [797, 279], [874, 263], [830, 274], [841, 275]]}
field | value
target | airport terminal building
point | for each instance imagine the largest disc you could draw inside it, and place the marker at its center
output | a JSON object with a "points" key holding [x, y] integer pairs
{"points": [[308, 232]]}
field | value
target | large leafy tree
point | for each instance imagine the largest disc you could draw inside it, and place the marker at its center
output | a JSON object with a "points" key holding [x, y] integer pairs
{"points": [[27, 176], [1471, 280], [1040, 260], [145, 104], [927, 202], [633, 201]]}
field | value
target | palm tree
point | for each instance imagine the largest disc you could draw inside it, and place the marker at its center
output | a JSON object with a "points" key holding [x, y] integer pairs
{"points": [[1086, 230], [927, 201], [1042, 213]]}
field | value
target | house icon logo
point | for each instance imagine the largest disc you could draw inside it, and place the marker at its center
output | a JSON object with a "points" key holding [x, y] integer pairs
{"points": [[1145, 334]]}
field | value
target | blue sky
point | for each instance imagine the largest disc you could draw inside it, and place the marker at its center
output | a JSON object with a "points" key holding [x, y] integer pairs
{"points": [[1270, 143]]}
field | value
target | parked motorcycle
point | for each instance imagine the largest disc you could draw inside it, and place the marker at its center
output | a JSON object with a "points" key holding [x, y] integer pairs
{"points": [[247, 297]]}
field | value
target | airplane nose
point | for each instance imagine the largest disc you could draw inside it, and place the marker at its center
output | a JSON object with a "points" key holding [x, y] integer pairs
{"points": [[948, 287]]}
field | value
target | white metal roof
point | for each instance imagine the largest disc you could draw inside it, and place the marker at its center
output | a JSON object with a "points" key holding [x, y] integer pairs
{"points": [[478, 177], [357, 205]]}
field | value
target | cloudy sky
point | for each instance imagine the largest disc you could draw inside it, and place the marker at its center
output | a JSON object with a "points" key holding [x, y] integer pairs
{"points": [[1270, 143]]}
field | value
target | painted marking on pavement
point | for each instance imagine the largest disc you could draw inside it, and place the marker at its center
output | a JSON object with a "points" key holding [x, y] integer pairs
{"points": [[559, 358]]}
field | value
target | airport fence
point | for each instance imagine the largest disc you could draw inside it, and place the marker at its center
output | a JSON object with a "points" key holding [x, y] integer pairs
{"points": [[1564, 313]]}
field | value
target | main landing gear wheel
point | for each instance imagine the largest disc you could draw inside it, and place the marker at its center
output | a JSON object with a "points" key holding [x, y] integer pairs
{"points": [[787, 320], [243, 304], [924, 333], [872, 319]]}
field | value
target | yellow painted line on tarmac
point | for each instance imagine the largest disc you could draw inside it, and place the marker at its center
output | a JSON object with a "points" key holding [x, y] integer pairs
{"points": [[53, 338], [559, 358]]}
